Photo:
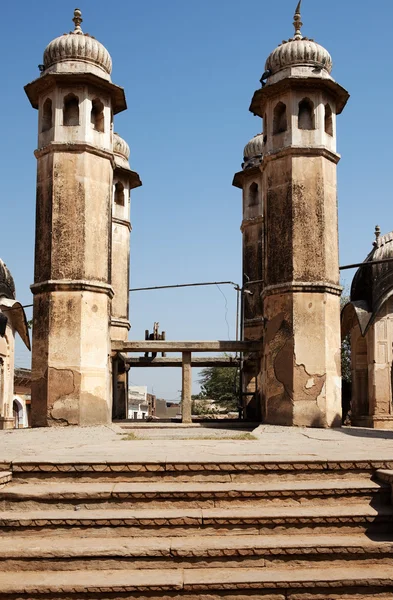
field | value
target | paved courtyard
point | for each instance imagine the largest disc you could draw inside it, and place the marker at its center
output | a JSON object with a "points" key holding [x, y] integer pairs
{"points": [[170, 444]]}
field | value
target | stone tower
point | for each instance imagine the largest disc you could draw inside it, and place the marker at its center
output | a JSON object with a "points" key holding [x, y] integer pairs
{"points": [[76, 101], [250, 181], [298, 102], [124, 180]]}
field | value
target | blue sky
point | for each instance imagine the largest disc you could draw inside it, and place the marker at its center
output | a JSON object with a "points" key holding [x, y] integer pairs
{"points": [[189, 70]]}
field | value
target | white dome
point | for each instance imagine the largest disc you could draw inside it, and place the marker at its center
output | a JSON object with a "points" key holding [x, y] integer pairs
{"points": [[298, 50], [77, 46], [121, 151], [120, 146], [254, 147]]}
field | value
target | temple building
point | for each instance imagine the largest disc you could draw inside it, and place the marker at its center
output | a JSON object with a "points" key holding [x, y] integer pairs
{"points": [[82, 237], [290, 238], [368, 319], [12, 321]]}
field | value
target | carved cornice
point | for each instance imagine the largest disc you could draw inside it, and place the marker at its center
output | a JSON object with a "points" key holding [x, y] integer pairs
{"points": [[305, 84], [132, 177], [249, 222], [294, 287], [298, 151], [77, 147], [120, 322], [69, 285], [122, 222]]}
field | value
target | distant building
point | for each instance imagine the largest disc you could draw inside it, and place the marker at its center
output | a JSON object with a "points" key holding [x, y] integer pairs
{"points": [[140, 404], [12, 321]]}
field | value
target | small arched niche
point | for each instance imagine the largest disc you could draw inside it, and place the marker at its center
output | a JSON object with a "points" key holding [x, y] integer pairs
{"points": [[328, 120], [279, 118], [71, 110], [46, 115], [253, 194], [306, 115], [264, 128], [97, 115], [119, 194]]}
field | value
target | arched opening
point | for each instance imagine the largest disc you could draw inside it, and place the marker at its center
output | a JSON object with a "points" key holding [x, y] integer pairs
{"points": [[328, 119], [306, 117], [71, 110], [253, 196], [361, 378], [17, 411], [265, 128], [119, 194], [279, 118], [97, 115], [47, 115]]}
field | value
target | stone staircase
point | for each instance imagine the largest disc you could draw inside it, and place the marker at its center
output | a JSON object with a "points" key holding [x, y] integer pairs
{"points": [[272, 531]]}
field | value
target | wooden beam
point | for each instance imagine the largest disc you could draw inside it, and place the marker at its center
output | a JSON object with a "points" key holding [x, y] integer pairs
{"points": [[169, 346], [209, 361]]}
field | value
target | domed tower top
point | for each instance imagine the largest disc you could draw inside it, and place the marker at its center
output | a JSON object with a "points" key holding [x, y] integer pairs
{"points": [[298, 62], [299, 51], [7, 285], [77, 52]]}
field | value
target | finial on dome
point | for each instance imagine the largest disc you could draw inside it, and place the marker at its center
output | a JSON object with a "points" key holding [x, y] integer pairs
{"points": [[297, 23], [77, 20], [377, 232]]}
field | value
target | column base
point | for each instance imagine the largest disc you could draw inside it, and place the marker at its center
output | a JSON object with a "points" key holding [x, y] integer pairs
{"points": [[7, 423], [374, 422]]}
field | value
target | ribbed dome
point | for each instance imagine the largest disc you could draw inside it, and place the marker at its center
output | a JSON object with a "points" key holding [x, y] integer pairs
{"points": [[254, 147], [253, 152], [7, 285], [298, 50], [79, 46], [121, 151], [120, 146]]}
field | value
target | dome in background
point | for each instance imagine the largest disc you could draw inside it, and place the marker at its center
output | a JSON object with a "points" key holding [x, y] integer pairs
{"points": [[121, 150], [374, 283], [7, 285], [253, 151]]}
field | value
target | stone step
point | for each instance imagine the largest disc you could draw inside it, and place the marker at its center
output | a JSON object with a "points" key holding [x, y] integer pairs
{"points": [[5, 477], [191, 583], [251, 551], [247, 471], [30, 496], [206, 521]]}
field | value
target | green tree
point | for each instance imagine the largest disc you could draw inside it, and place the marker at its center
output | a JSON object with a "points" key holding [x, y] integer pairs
{"points": [[346, 351], [220, 384]]}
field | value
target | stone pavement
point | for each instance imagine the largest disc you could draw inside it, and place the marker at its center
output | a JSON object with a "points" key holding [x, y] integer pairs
{"points": [[152, 444]]}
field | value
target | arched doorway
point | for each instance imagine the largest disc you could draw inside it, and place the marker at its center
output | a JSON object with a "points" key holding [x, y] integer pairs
{"points": [[17, 411]]}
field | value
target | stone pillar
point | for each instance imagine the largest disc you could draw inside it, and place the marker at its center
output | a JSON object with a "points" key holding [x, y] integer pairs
{"points": [[71, 362], [186, 388], [301, 363]]}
